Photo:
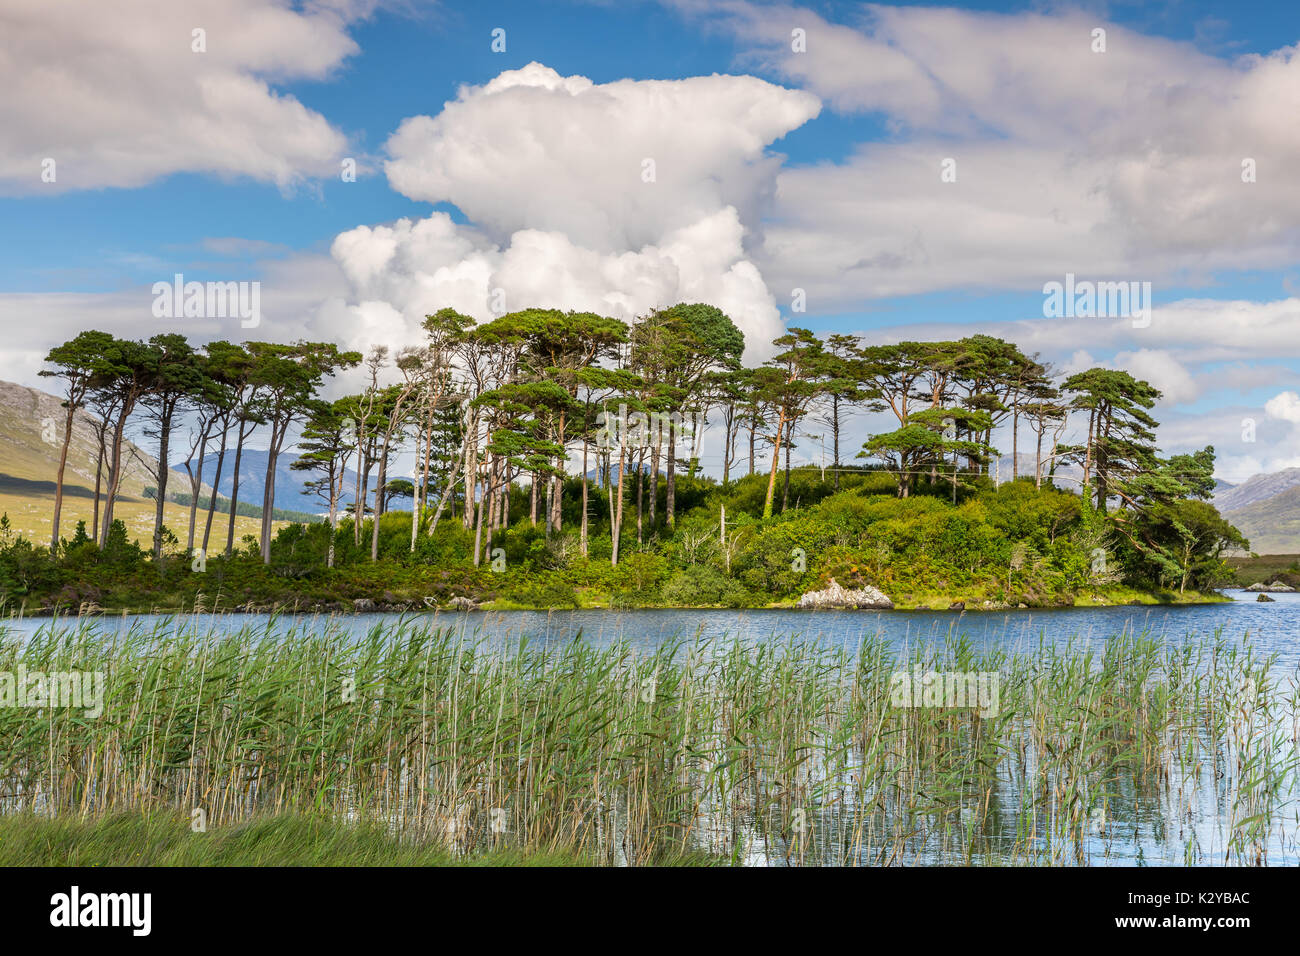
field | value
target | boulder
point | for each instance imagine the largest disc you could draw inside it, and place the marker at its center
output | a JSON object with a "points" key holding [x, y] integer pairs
{"points": [[1275, 588], [1265, 597], [837, 596], [462, 604], [957, 606], [363, 604]]}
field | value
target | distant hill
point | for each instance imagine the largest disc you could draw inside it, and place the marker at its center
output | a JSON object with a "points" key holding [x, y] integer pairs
{"points": [[290, 494], [29, 465], [1256, 489], [1266, 509]]}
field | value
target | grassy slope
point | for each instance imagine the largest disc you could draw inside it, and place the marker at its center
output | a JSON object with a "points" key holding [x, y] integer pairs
{"points": [[1271, 525], [29, 465]]}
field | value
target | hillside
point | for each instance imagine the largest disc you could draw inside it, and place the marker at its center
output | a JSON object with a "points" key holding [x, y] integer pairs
{"points": [[1266, 509], [289, 493], [1272, 524], [29, 465], [1256, 489]]}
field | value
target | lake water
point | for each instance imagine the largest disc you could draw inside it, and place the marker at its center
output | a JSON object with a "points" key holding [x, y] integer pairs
{"points": [[1272, 628], [1165, 819]]}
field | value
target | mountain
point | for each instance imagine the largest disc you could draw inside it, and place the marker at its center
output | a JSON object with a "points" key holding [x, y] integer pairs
{"points": [[1256, 489], [28, 462], [290, 493], [1272, 525], [1266, 509], [31, 427]]}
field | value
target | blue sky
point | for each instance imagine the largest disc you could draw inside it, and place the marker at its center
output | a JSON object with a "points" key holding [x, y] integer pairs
{"points": [[1121, 175]]}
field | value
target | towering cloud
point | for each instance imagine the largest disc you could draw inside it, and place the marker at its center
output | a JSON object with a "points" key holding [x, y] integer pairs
{"points": [[617, 197]]}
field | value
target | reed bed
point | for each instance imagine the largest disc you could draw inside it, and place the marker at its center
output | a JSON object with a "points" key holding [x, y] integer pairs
{"points": [[784, 751]]}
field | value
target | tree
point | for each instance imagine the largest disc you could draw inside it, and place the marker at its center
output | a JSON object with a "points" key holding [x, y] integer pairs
{"points": [[289, 376], [1120, 439], [124, 375], [839, 372], [179, 374], [674, 349], [791, 387], [325, 447], [78, 362]]}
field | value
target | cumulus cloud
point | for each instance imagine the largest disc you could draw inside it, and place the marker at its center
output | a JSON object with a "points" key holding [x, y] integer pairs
{"points": [[618, 198], [1284, 406], [1125, 164], [613, 166], [116, 95]]}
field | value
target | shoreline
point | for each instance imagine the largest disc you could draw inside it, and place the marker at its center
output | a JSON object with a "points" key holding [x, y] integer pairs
{"points": [[1200, 599]]}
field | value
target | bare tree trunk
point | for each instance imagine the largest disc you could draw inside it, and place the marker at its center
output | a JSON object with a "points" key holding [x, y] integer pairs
{"points": [[114, 471], [670, 502], [99, 477], [63, 462], [240, 436], [216, 483], [583, 531], [776, 465], [196, 486], [618, 518]]}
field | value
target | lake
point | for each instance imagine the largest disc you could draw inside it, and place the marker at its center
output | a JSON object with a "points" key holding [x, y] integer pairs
{"points": [[1272, 628], [1137, 757]]}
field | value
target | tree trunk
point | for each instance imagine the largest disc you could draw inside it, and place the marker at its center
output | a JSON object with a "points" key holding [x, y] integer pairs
{"points": [[618, 519], [114, 470], [216, 483], [583, 532], [670, 503], [164, 444], [240, 435], [63, 462], [776, 465]]}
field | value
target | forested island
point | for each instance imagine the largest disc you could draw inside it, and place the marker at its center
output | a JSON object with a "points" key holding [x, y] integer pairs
{"points": [[484, 465]]}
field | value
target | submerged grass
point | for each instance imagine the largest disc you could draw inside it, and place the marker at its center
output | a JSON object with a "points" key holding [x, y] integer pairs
{"points": [[1132, 750]]}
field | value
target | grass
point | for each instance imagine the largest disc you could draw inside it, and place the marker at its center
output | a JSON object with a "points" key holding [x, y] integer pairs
{"points": [[784, 751], [31, 515], [1266, 568], [161, 839]]}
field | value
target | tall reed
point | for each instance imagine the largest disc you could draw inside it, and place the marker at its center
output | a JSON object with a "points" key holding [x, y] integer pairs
{"points": [[781, 751]]}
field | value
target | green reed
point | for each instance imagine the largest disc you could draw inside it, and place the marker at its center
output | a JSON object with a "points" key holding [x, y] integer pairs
{"points": [[781, 751]]}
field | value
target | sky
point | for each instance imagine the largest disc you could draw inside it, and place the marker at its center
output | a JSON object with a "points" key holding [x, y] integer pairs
{"points": [[899, 171]]}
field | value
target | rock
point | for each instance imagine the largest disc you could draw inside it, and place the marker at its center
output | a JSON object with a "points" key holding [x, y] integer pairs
{"points": [[1275, 588], [1265, 597], [462, 604], [1022, 605], [836, 596], [363, 604], [957, 606]]}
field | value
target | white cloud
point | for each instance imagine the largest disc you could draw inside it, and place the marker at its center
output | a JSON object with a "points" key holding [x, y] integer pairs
{"points": [[1117, 165], [550, 171], [115, 94], [1284, 406], [1162, 370], [535, 150]]}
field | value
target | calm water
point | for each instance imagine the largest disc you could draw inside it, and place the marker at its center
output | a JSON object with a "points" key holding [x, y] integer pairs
{"points": [[1271, 628], [1149, 825]]}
